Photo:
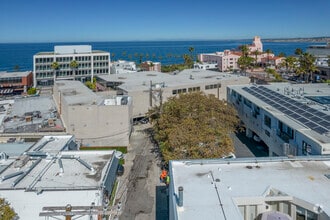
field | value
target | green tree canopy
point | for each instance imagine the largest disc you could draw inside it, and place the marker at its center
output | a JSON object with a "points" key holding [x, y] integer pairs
{"points": [[194, 125], [6, 212]]}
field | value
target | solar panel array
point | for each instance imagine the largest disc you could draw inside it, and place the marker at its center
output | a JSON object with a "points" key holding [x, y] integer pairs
{"points": [[311, 118]]}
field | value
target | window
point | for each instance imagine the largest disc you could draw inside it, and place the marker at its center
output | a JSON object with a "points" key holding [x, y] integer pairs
{"points": [[267, 133], [193, 89], [306, 148], [304, 214], [267, 121], [247, 103], [213, 86]]}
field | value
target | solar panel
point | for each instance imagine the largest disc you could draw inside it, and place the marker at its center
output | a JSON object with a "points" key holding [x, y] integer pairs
{"points": [[308, 116]]}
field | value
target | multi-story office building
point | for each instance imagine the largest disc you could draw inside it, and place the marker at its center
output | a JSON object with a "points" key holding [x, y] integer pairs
{"points": [[291, 119], [51, 66]]}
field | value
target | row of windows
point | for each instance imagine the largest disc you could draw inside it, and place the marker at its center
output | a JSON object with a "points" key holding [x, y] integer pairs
{"points": [[69, 59], [44, 60], [213, 86], [191, 89], [67, 66], [11, 80], [101, 57], [194, 89], [70, 73], [178, 91]]}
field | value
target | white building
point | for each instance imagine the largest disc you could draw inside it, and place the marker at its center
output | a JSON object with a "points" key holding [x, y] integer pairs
{"points": [[149, 88], [122, 66], [93, 119], [250, 189], [90, 63], [225, 61], [291, 119], [42, 182], [206, 66]]}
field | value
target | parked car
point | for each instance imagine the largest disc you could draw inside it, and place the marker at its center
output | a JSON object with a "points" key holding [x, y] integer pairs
{"points": [[120, 170]]}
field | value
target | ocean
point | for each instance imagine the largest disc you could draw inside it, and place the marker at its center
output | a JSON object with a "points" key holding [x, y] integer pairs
{"points": [[13, 55]]}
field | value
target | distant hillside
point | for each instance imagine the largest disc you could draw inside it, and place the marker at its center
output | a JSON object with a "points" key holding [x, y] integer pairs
{"points": [[309, 39]]}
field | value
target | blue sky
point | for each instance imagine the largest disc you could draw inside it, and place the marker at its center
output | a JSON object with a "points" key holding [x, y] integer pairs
{"points": [[123, 20]]}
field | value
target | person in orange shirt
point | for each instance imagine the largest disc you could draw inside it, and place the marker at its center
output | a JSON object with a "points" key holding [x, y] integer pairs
{"points": [[163, 175]]}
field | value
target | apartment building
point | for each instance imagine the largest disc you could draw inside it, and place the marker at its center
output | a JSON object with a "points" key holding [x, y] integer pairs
{"points": [[283, 188], [291, 119], [226, 60], [77, 62]]}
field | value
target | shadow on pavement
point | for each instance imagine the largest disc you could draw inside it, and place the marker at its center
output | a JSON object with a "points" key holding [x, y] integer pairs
{"points": [[259, 149], [162, 203]]}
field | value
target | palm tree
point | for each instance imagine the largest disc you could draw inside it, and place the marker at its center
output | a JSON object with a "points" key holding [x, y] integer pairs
{"points": [[298, 51], [307, 66], [256, 53], [74, 66], [191, 51], [55, 66], [282, 54], [268, 51], [245, 50], [290, 63]]}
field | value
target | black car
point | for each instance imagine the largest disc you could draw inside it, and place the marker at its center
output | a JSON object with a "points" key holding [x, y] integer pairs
{"points": [[120, 170]]}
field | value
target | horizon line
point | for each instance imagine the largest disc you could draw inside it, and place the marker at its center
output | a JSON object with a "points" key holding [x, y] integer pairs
{"points": [[160, 40]]}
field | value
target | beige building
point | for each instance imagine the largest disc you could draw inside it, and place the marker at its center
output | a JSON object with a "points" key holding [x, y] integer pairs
{"points": [[148, 89], [94, 120]]}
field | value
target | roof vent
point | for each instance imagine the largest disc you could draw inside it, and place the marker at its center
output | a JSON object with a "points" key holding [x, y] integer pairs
{"points": [[180, 199]]}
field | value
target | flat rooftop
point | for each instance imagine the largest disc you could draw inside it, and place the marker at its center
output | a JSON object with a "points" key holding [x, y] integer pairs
{"points": [[14, 74], [141, 80], [13, 118], [75, 93], [50, 166], [237, 180]]}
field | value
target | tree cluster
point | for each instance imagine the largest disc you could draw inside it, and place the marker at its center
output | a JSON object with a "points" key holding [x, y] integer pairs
{"points": [[194, 125]]}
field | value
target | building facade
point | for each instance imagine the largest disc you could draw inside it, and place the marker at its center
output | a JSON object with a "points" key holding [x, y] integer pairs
{"points": [[149, 88], [51, 66], [122, 66], [94, 120], [225, 61], [291, 119], [151, 66], [15, 82]]}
